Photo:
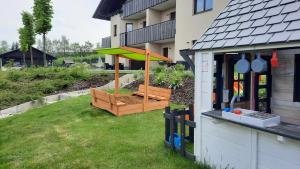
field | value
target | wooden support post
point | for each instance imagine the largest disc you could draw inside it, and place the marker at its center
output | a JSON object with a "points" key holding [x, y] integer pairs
{"points": [[172, 129], [117, 72], [182, 134], [191, 129], [147, 74], [167, 124]]}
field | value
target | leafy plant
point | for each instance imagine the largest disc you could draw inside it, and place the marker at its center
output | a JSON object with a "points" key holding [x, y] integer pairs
{"points": [[172, 76]]}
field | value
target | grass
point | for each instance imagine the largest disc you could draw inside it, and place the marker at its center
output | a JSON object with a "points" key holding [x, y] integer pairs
{"points": [[72, 134]]}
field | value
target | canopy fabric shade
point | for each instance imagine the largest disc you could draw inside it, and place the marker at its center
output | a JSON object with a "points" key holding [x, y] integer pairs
{"points": [[132, 54]]}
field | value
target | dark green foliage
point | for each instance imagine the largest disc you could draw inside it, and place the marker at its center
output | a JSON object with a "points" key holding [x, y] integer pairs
{"points": [[43, 13], [27, 19], [22, 40]]}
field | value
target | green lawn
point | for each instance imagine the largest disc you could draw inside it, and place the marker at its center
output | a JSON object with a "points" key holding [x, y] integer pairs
{"points": [[72, 134]]}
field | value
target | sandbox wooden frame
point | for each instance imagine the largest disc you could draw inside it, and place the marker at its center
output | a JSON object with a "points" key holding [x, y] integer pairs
{"points": [[110, 102]]}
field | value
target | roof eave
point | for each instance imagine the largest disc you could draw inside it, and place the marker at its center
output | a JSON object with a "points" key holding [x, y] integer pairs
{"points": [[295, 44]]}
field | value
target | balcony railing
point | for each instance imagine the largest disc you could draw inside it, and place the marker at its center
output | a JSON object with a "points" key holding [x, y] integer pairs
{"points": [[106, 42], [132, 7], [157, 32]]}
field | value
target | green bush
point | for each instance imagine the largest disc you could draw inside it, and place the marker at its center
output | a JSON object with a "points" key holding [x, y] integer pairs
{"points": [[15, 75], [170, 76]]}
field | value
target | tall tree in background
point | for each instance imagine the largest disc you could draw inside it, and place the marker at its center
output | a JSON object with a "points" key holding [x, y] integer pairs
{"points": [[43, 14], [29, 36], [23, 43]]}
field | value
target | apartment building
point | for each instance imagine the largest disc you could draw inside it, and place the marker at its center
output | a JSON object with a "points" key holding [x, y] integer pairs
{"points": [[163, 26]]}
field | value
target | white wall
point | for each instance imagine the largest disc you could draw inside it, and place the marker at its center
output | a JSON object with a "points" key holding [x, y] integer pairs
{"points": [[228, 145], [283, 87], [203, 94]]}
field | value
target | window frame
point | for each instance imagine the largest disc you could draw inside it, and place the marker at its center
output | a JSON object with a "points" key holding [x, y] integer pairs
{"points": [[204, 7], [296, 92], [173, 15]]}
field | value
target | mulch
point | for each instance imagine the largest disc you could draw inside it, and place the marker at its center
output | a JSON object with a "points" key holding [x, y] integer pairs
{"points": [[183, 95], [94, 81]]}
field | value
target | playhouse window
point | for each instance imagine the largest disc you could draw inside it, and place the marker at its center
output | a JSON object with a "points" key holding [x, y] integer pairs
{"points": [[238, 83], [297, 79]]}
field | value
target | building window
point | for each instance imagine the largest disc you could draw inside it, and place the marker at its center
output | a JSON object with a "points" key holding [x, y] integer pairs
{"points": [[144, 24], [202, 5], [166, 52], [173, 16], [297, 79], [115, 30], [129, 27]]}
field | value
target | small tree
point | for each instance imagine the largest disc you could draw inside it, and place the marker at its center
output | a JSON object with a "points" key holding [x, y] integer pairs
{"points": [[43, 14], [29, 36], [65, 45], [23, 43], [3, 47]]}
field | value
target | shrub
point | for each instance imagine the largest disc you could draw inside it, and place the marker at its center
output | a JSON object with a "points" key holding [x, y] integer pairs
{"points": [[15, 75], [170, 76]]}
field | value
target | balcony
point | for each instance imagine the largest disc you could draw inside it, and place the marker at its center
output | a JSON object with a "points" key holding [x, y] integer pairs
{"points": [[158, 32], [106, 42], [133, 7]]}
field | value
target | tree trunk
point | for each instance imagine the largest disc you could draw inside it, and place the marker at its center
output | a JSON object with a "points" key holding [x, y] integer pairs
{"points": [[24, 60], [44, 50], [31, 56], [0, 64]]}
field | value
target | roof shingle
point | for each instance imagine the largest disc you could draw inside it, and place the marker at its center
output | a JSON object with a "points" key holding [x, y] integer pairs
{"points": [[253, 22]]}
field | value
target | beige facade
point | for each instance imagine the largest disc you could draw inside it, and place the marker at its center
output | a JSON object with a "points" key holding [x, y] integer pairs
{"points": [[189, 26]]}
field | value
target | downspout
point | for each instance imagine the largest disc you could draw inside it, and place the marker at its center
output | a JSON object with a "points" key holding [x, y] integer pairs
{"points": [[186, 53]]}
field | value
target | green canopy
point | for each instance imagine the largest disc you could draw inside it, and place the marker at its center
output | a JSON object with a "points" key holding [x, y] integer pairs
{"points": [[132, 53]]}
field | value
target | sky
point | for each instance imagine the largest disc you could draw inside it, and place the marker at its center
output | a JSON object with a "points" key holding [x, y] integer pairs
{"points": [[72, 18]]}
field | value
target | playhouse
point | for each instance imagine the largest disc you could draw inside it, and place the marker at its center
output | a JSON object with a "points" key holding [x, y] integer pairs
{"points": [[147, 98], [247, 78]]}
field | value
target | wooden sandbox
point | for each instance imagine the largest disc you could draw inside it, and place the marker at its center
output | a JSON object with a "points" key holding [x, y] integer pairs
{"points": [[147, 98], [120, 105]]}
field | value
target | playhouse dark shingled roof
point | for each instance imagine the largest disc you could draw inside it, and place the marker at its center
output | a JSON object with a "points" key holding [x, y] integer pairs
{"points": [[253, 22]]}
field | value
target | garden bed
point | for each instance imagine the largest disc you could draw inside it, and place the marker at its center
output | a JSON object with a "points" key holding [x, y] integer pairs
{"points": [[181, 95]]}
